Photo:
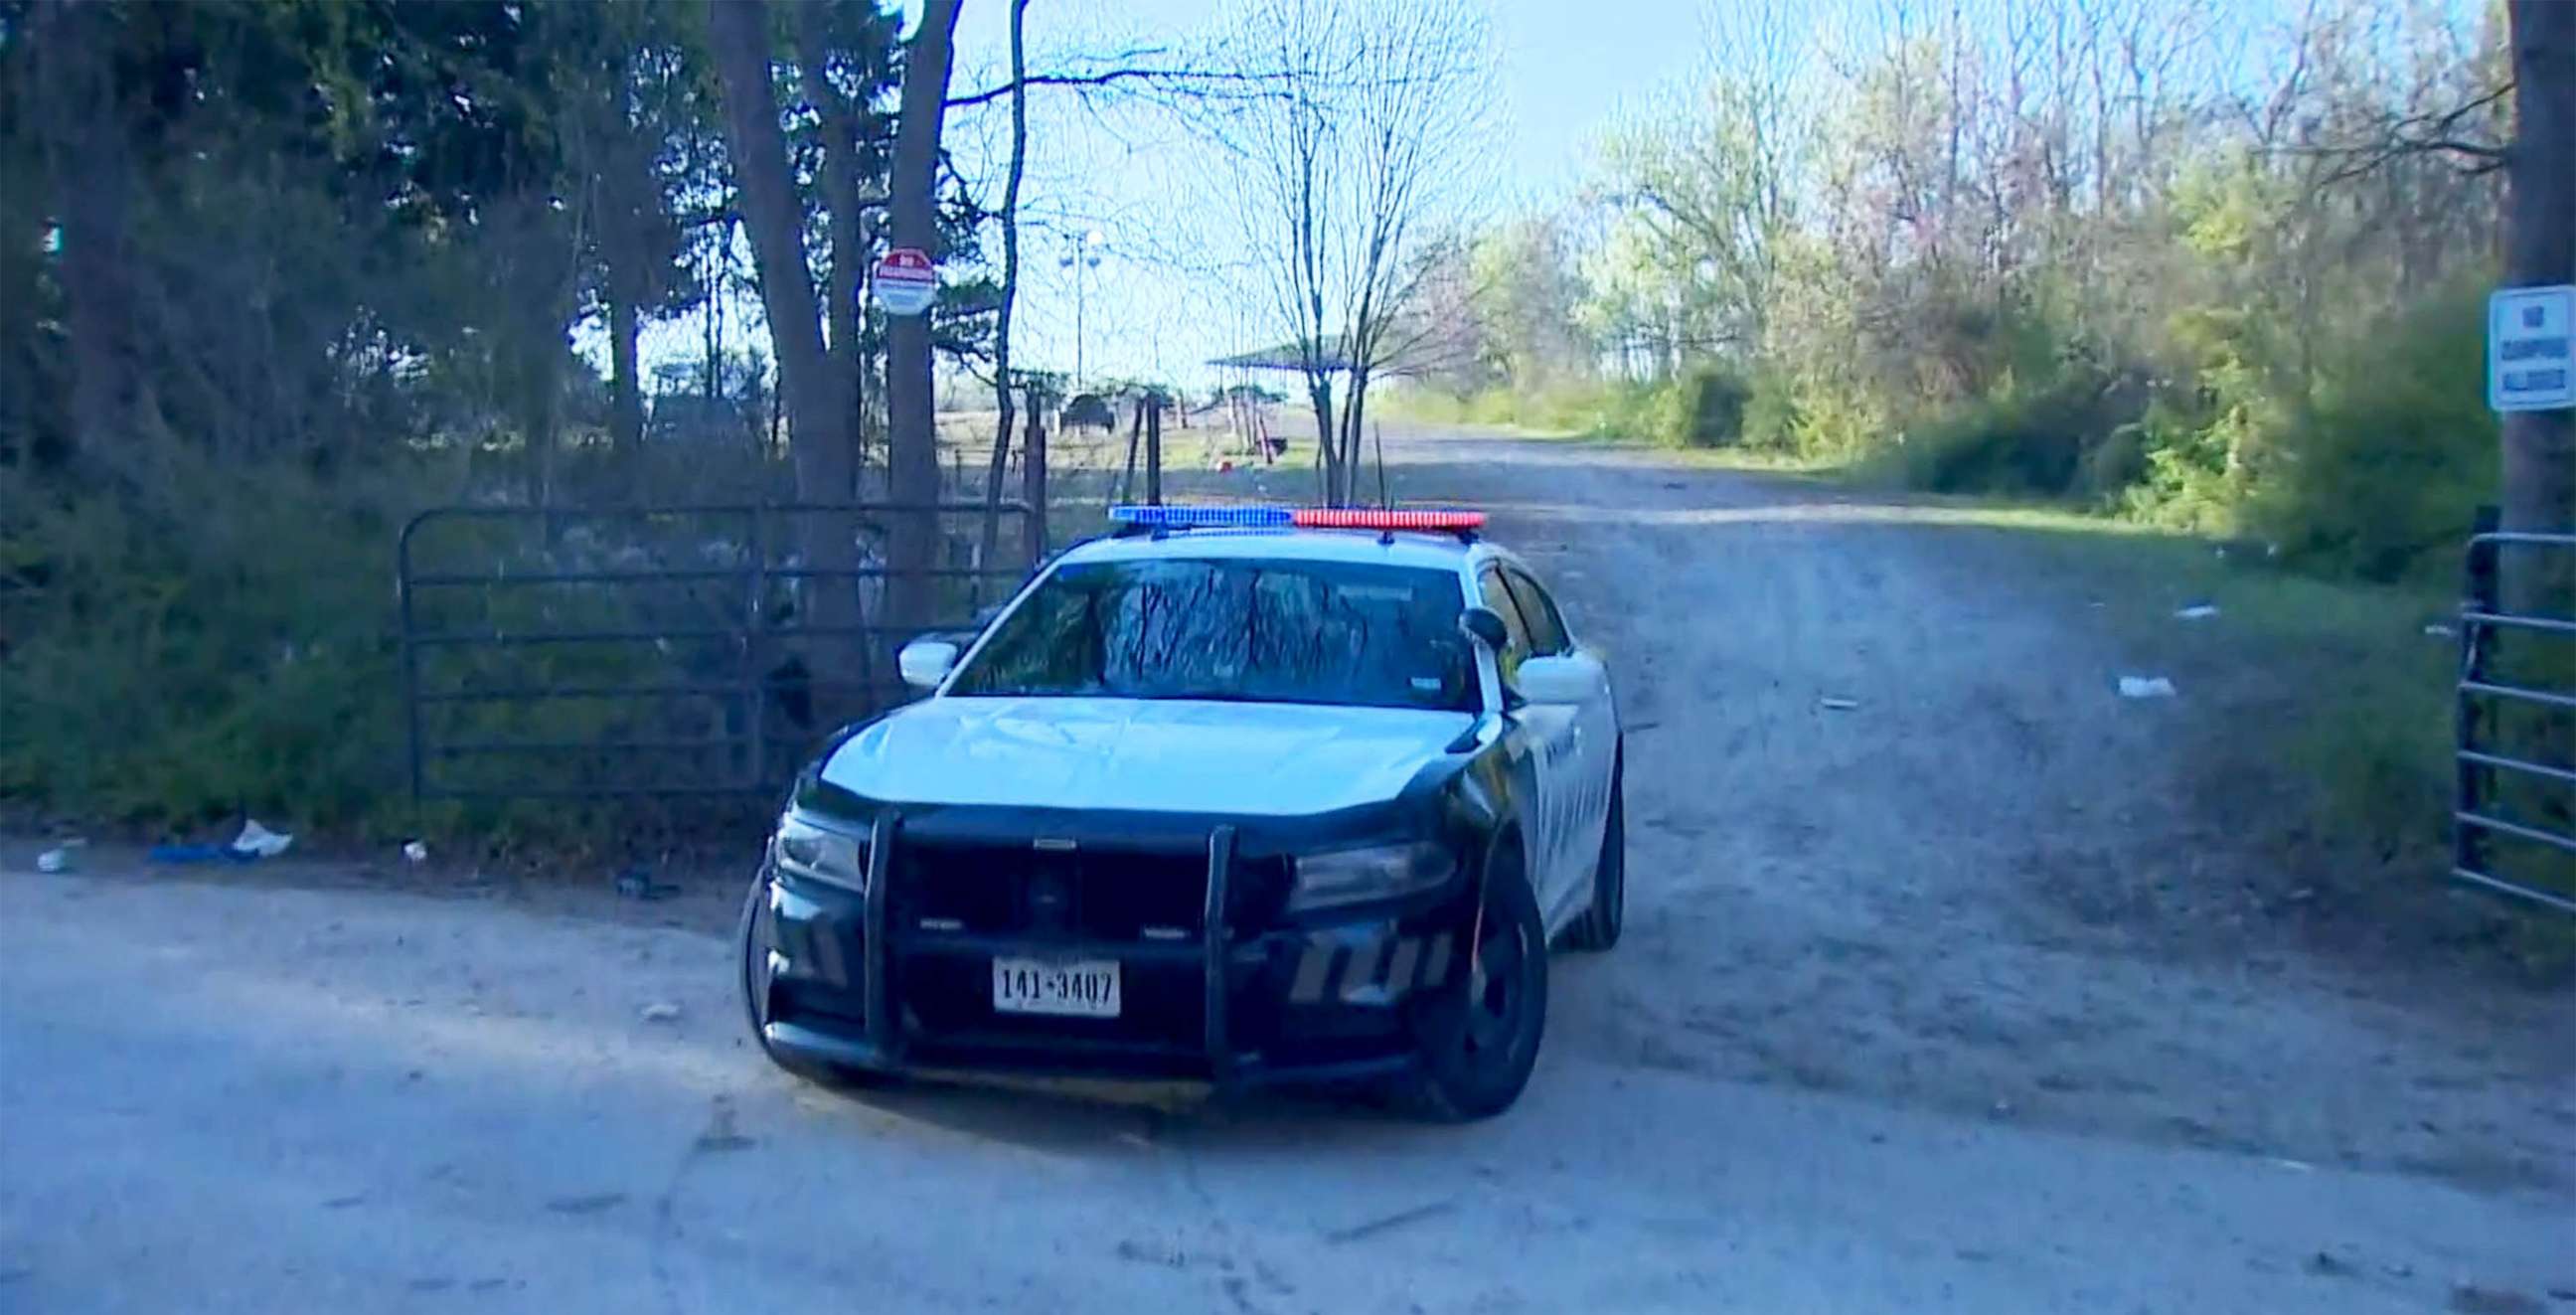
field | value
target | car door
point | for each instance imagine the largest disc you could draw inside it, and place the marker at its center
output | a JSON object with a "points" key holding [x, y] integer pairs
{"points": [[1546, 735], [1582, 781]]}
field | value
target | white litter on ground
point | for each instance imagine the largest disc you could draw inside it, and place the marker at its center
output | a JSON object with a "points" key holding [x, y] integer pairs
{"points": [[415, 852], [2197, 612], [2439, 631], [1834, 704], [61, 858], [2146, 687], [662, 1012], [257, 839]]}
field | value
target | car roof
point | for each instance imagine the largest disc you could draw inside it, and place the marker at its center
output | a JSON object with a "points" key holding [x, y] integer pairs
{"points": [[1445, 552]]}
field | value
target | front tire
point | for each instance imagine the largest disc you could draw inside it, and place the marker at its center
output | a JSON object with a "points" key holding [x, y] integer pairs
{"points": [[1598, 928], [1480, 1035]]}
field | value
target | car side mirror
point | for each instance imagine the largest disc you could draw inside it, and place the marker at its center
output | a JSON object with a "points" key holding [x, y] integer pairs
{"points": [[926, 662], [1486, 625], [1572, 678]]}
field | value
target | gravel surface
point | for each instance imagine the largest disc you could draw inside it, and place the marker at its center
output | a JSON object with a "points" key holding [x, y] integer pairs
{"points": [[1933, 998]]}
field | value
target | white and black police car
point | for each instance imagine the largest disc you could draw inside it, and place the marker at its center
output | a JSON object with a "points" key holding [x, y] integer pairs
{"points": [[1237, 795]]}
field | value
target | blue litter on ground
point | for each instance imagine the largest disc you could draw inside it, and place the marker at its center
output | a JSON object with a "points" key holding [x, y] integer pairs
{"points": [[199, 854]]}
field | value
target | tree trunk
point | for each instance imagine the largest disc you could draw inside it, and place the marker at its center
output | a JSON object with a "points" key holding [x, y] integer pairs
{"points": [[1002, 391], [1354, 412], [818, 429], [1328, 453], [85, 131], [2539, 465], [738, 34], [912, 454], [846, 217], [625, 391]]}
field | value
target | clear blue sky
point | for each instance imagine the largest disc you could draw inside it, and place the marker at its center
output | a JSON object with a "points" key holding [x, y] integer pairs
{"points": [[1562, 72], [1562, 67]]}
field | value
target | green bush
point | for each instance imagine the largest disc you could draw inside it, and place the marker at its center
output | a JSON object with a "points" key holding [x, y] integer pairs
{"points": [[1772, 418], [178, 667], [2065, 435], [2382, 476], [1702, 408]]}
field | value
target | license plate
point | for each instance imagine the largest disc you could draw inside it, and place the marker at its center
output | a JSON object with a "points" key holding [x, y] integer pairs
{"points": [[1082, 988]]}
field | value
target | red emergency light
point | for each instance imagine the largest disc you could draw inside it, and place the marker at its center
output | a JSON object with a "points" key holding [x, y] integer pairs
{"points": [[1371, 518]]}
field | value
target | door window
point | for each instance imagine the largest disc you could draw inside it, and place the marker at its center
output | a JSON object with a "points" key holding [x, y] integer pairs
{"points": [[1498, 597], [1546, 625]]}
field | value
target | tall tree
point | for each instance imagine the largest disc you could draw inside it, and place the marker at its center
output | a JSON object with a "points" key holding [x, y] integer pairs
{"points": [[821, 428], [631, 98], [80, 115], [912, 451], [1003, 385], [1366, 134], [843, 67]]}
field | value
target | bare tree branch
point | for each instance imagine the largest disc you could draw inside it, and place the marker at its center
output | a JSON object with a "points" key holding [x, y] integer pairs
{"points": [[1178, 80]]}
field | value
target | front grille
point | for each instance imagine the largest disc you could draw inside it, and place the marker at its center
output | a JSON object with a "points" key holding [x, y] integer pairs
{"points": [[1009, 889]]}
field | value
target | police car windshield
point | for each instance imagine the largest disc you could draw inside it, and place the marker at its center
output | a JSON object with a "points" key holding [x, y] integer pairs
{"points": [[1278, 631]]}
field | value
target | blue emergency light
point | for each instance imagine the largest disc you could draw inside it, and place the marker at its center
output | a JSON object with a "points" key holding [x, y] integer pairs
{"points": [[1203, 518]]}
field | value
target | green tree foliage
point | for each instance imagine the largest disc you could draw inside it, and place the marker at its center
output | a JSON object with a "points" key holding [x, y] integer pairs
{"points": [[274, 274], [2129, 253]]}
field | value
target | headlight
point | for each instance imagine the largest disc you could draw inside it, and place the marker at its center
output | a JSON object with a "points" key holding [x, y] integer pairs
{"points": [[1377, 872], [802, 849]]}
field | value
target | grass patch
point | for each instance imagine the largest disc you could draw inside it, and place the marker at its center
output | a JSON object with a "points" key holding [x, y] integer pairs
{"points": [[2321, 712]]}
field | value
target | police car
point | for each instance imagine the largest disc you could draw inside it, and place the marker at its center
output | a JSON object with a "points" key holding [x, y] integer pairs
{"points": [[1237, 795]]}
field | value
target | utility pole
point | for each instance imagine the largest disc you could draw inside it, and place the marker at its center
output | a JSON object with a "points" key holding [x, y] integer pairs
{"points": [[2539, 474]]}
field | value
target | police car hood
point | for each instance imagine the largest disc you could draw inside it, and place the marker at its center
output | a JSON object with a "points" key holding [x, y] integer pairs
{"points": [[1162, 755]]}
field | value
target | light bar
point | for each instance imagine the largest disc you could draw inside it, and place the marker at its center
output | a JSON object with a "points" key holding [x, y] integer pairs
{"points": [[1370, 518], [1314, 518], [1184, 518]]}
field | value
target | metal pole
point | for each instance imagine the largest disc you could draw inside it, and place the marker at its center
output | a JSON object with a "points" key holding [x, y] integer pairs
{"points": [[2468, 843], [1154, 449], [1033, 469]]}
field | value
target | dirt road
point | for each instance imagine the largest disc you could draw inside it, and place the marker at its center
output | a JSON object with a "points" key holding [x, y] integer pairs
{"points": [[1927, 1004]]}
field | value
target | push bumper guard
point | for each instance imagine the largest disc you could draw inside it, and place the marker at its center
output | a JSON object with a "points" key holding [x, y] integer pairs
{"points": [[1304, 1001]]}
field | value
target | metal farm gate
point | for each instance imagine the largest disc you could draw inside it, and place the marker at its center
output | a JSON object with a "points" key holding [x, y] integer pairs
{"points": [[2515, 817], [664, 650]]}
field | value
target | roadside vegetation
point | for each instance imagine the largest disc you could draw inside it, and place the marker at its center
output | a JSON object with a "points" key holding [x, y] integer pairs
{"points": [[2215, 284], [274, 277]]}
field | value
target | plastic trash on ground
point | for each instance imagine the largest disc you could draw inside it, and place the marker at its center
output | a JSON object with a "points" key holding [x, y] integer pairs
{"points": [[2146, 687], [260, 842], [2197, 612], [190, 855], [61, 858], [1834, 703], [415, 852]]}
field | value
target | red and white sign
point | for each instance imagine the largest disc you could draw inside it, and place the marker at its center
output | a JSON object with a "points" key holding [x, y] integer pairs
{"points": [[905, 282]]}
